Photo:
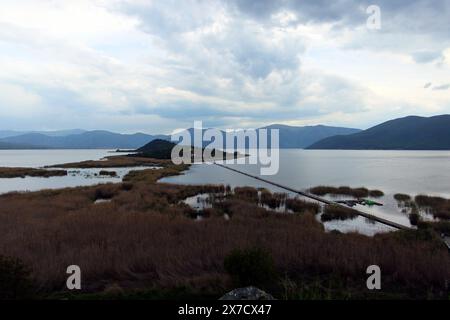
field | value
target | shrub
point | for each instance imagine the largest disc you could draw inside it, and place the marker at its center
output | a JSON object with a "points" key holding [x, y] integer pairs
{"points": [[334, 212], [439, 226], [246, 193], [376, 193], [274, 200], [343, 190], [402, 197], [427, 201], [107, 191], [127, 186], [301, 206], [15, 279], [437, 206], [253, 266], [107, 173], [414, 219]]}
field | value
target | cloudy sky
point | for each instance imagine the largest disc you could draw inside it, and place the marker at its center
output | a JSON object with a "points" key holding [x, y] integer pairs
{"points": [[154, 66]]}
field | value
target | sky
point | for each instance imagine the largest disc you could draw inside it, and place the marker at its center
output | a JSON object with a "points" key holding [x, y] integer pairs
{"points": [[155, 66]]}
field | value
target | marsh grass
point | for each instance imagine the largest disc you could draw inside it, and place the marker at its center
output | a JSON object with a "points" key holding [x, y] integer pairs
{"points": [[142, 241], [376, 193], [334, 212], [272, 200], [402, 197], [10, 172], [346, 191], [115, 162], [437, 206], [297, 205], [107, 173]]}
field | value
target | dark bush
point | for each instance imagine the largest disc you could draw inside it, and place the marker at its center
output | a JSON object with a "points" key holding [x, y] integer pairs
{"points": [[127, 186], [334, 212], [343, 190], [301, 206], [437, 206], [376, 193], [402, 197], [108, 173], [105, 192], [274, 200], [250, 267], [414, 219], [442, 227], [190, 212], [427, 201], [249, 193], [15, 280]]}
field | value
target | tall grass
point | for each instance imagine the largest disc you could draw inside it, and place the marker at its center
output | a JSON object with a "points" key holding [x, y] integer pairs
{"points": [[142, 239], [438, 207], [347, 191]]}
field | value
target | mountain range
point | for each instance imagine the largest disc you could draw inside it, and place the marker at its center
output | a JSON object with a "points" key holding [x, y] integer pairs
{"points": [[409, 133], [58, 133], [97, 139], [290, 137]]}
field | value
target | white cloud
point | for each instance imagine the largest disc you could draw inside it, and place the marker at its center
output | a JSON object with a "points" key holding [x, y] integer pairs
{"points": [[227, 63]]}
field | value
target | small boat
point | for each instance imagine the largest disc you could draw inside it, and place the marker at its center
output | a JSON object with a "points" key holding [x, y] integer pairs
{"points": [[369, 202], [363, 202]]}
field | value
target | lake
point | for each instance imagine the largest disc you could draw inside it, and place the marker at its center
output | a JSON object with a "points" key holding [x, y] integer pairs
{"points": [[411, 172], [41, 158]]}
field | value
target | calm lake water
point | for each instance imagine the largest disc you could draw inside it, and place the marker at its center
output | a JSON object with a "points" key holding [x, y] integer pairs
{"points": [[411, 172], [41, 158]]}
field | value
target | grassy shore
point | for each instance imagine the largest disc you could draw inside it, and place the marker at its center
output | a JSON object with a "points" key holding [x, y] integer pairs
{"points": [[8, 172], [143, 243], [114, 162]]}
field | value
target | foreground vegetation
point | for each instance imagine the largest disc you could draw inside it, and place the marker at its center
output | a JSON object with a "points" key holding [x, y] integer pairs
{"points": [[143, 243]]}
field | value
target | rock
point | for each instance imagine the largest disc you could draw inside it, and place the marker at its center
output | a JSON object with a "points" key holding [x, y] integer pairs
{"points": [[248, 293]]}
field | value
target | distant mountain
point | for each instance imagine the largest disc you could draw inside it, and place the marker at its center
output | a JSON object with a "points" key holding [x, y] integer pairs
{"points": [[13, 146], [9, 133], [158, 149], [60, 133], [56, 133], [301, 137], [86, 140], [298, 137], [409, 133]]}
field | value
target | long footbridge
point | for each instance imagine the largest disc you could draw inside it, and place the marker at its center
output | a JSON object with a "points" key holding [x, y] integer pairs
{"points": [[319, 199], [445, 239]]}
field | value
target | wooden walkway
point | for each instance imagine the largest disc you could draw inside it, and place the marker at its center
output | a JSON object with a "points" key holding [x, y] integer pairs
{"points": [[320, 199]]}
